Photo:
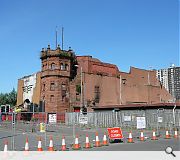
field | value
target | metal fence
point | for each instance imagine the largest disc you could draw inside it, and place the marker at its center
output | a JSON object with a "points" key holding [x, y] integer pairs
{"points": [[162, 119], [16, 126], [125, 118]]}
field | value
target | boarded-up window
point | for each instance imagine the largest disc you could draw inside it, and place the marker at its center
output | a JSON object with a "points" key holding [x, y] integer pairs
{"points": [[66, 67], [63, 91], [96, 94], [52, 86], [52, 98]]}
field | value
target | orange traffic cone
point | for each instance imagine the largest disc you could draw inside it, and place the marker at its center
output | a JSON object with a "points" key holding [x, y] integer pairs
{"points": [[51, 148], [154, 136], [97, 142], [130, 139], [39, 145], [87, 144], [142, 136], [26, 148], [76, 145], [5, 146], [175, 134], [167, 135], [105, 142], [5, 153], [63, 147]]}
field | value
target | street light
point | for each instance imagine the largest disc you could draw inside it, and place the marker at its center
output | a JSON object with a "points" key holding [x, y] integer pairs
{"points": [[174, 98]]}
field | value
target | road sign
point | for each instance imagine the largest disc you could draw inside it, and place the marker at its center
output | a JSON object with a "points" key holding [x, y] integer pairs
{"points": [[160, 119], [52, 118], [83, 119], [141, 122], [115, 133], [127, 118]]}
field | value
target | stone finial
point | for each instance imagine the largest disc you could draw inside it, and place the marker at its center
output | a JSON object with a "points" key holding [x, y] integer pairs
{"points": [[70, 49], [48, 47], [58, 47]]}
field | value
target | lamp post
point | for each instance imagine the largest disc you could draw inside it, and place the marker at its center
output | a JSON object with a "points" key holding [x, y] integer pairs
{"points": [[149, 83], [174, 99]]}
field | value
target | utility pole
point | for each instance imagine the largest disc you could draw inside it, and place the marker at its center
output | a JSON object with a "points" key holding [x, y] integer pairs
{"points": [[149, 84], [56, 36], [174, 97], [81, 91], [120, 91], [62, 38]]}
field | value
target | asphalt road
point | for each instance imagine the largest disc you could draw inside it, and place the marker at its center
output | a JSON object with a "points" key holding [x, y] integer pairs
{"points": [[159, 145], [16, 139]]}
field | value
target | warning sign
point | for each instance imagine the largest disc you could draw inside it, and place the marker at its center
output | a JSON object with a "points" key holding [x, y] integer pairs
{"points": [[141, 122], [52, 118], [83, 119], [115, 133]]}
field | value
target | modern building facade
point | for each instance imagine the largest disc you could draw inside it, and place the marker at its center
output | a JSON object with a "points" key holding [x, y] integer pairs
{"points": [[170, 79], [174, 82], [68, 82], [162, 75]]}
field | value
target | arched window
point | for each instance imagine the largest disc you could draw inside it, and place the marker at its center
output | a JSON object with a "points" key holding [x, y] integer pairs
{"points": [[52, 98], [62, 66], [52, 86], [66, 67], [53, 66]]}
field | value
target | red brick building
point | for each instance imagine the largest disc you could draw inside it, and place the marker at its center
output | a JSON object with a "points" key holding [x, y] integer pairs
{"points": [[67, 82]]}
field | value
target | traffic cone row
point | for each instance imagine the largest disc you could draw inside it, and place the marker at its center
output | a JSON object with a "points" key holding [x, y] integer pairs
{"points": [[76, 145]]}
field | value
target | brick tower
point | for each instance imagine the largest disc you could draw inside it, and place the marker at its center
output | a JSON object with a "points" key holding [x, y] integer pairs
{"points": [[58, 69]]}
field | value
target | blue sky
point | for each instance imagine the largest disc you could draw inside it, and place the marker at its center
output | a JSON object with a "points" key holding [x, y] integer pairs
{"points": [[139, 33]]}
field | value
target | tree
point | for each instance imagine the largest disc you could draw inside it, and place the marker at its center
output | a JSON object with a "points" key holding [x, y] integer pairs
{"points": [[12, 97], [8, 98], [3, 98]]}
